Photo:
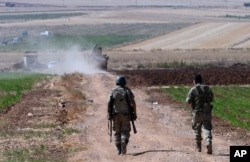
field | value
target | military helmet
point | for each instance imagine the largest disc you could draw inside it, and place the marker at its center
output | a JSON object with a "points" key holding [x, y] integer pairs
{"points": [[197, 78], [120, 80]]}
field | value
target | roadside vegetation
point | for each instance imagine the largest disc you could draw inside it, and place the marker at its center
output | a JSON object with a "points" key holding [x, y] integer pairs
{"points": [[13, 84], [231, 102], [32, 131]]}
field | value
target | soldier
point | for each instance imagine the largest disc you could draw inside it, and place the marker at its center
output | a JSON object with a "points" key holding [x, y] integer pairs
{"points": [[118, 112], [200, 97]]}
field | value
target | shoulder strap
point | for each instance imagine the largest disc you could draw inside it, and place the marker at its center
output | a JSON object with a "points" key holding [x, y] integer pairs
{"points": [[203, 95], [199, 90], [127, 95]]}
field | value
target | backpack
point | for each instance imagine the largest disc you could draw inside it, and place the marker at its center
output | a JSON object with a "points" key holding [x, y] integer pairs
{"points": [[202, 100], [120, 104]]}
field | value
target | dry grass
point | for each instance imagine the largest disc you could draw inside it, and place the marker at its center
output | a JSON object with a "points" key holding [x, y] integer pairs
{"points": [[218, 57]]}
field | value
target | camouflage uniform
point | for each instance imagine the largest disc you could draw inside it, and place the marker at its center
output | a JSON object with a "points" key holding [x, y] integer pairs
{"points": [[200, 97], [119, 113]]}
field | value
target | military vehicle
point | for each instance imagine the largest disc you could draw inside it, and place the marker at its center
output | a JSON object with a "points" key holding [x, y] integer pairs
{"points": [[99, 59]]}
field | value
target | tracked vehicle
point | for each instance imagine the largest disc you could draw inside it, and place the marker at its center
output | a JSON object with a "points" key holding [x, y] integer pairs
{"points": [[99, 59]]}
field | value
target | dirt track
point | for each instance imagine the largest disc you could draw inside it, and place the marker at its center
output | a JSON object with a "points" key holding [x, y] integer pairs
{"points": [[161, 136]]}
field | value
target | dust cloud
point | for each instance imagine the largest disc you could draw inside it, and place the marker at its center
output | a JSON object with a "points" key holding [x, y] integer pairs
{"points": [[72, 60]]}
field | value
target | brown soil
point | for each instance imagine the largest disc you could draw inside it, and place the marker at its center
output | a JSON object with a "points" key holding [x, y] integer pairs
{"points": [[236, 74]]}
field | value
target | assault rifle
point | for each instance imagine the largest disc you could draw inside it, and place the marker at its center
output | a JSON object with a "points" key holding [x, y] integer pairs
{"points": [[110, 120], [130, 109], [110, 129]]}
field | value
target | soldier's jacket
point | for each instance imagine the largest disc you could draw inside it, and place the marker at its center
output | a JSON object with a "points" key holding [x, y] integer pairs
{"points": [[200, 96], [117, 103]]}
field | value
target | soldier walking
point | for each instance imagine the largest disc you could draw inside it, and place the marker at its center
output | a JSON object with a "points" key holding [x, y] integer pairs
{"points": [[121, 105], [200, 97]]}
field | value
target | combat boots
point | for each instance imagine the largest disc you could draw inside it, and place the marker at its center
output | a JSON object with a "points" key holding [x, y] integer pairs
{"points": [[198, 146], [209, 147], [124, 148], [118, 148]]}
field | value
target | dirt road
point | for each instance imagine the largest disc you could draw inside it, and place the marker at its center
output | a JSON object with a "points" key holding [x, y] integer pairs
{"points": [[164, 132]]}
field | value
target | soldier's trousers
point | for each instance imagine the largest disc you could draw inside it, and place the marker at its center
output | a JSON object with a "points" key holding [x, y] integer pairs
{"points": [[121, 126], [202, 122]]}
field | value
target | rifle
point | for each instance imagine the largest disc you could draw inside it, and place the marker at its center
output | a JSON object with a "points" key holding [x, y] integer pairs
{"points": [[110, 129], [130, 112], [110, 105]]}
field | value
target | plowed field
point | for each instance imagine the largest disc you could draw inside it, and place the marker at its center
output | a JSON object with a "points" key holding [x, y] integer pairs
{"points": [[212, 76]]}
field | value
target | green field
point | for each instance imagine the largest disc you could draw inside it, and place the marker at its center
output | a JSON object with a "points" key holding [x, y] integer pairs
{"points": [[13, 84], [105, 35], [42, 16], [230, 103]]}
